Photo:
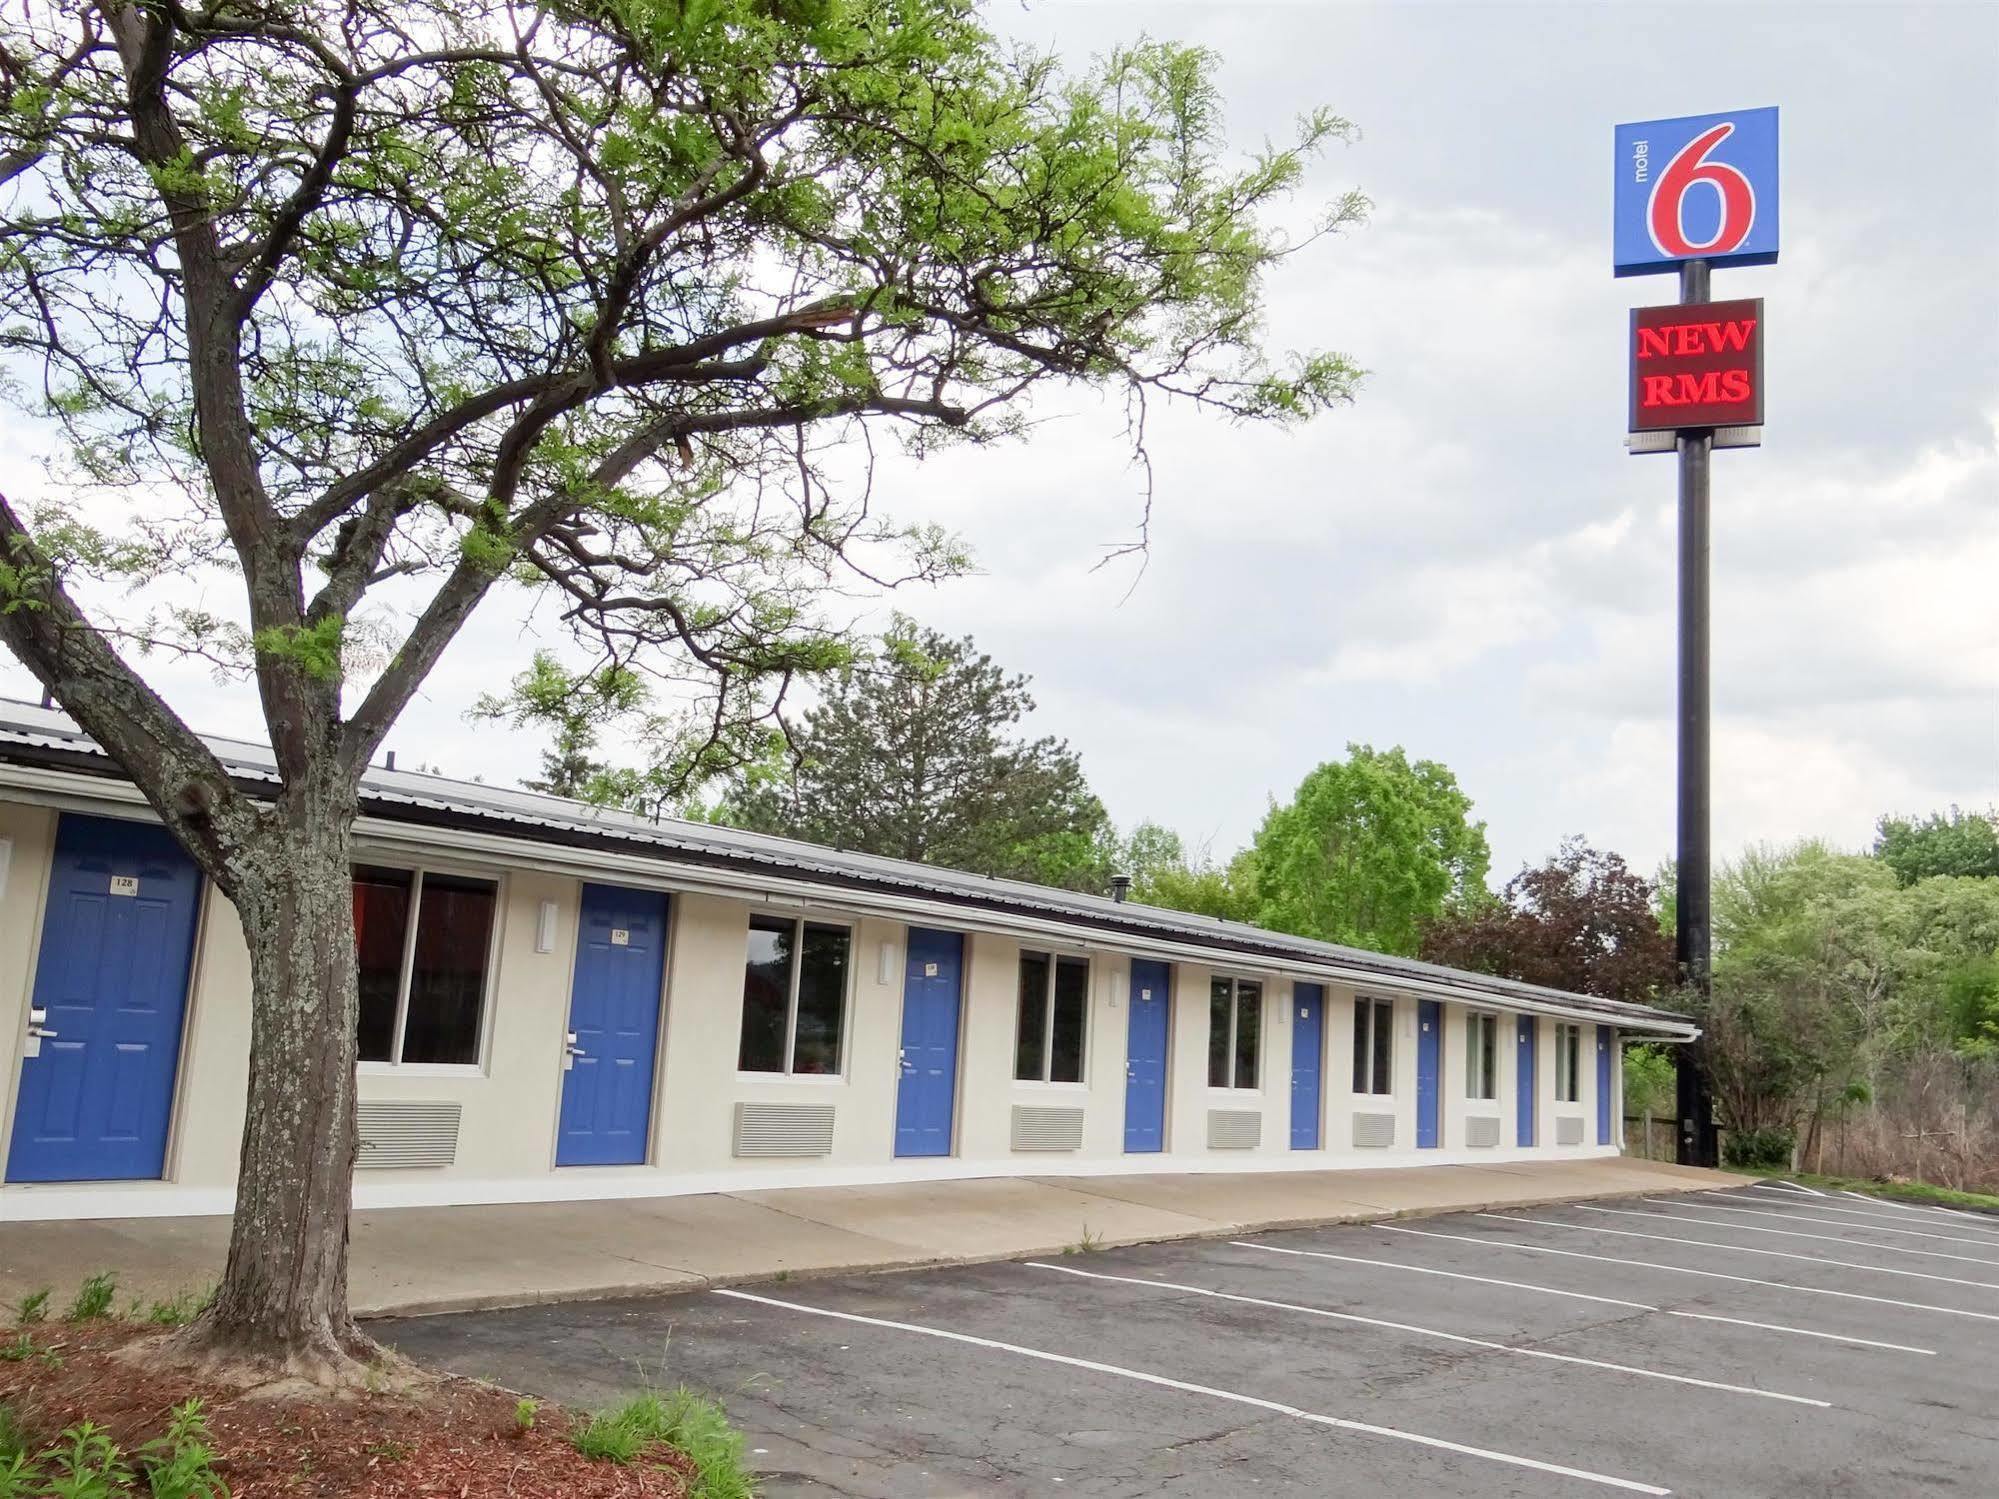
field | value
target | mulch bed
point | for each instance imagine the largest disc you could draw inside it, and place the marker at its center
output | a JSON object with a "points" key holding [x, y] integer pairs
{"points": [[457, 1439]]}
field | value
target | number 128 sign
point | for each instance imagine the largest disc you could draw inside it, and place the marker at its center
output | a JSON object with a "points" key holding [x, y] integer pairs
{"points": [[1702, 187]]}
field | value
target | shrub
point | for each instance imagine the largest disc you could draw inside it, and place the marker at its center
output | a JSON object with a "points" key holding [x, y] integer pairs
{"points": [[1759, 1149]]}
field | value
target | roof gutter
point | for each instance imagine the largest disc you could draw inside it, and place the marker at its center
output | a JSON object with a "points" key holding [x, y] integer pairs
{"points": [[68, 788]]}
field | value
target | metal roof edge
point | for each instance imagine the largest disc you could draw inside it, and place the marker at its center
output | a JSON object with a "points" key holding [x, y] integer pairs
{"points": [[75, 766]]}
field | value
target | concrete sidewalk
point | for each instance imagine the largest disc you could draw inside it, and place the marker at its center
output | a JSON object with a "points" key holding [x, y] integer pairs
{"points": [[408, 1261]]}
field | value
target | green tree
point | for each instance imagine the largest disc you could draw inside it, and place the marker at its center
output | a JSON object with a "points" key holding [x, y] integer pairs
{"points": [[390, 308], [1370, 849], [1163, 873], [1953, 842], [911, 752]]}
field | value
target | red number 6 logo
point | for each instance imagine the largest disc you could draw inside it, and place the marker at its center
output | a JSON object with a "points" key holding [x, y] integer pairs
{"points": [[1666, 213]]}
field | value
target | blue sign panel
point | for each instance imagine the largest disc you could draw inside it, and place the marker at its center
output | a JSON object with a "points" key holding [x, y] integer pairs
{"points": [[1703, 187]]}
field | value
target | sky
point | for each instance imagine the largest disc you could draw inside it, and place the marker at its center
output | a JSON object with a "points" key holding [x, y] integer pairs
{"points": [[1465, 561]]}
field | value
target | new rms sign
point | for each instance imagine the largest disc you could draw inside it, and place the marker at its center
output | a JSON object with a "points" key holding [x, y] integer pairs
{"points": [[1697, 364]]}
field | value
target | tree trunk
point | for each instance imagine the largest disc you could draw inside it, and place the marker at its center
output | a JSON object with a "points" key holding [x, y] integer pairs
{"points": [[283, 1298]]}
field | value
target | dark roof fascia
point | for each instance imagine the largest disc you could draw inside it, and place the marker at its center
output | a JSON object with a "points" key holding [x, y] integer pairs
{"points": [[1248, 941]]}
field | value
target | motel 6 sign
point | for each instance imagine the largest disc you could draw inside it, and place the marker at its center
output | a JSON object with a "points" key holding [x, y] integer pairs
{"points": [[1701, 187]]}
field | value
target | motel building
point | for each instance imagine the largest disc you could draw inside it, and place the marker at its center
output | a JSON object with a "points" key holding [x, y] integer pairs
{"points": [[562, 1002]]}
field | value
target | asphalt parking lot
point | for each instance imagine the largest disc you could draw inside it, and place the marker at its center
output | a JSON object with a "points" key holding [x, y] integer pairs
{"points": [[1758, 1341]]}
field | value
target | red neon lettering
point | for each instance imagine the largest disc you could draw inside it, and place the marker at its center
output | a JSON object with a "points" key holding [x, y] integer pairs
{"points": [[1732, 335], [1658, 391], [1699, 390], [1686, 338], [1735, 385], [1652, 343]]}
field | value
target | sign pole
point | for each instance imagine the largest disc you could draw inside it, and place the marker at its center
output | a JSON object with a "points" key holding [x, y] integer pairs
{"points": [[1692, 938]]}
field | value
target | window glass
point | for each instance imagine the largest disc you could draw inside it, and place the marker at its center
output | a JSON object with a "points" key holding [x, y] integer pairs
{"points": [[1481, 1044], [1219, 992], [1384, 1044], [1248, 1032], [454, 929], [1363, 1012], [822, 1000], [1072, 993], [381, 933], [1032, 1029], [766, 995]]}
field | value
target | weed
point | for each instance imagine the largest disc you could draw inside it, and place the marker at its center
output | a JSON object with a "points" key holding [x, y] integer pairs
{"points": [[783, 1276], [21, 1477], [178, 1311], [21, 1347], [32, 1308], [93, 1298], [525, 1410], [86, 1464], [689, 1422], [181, 1464], [389, 1450], [1090, 1243], [14, 1438]]}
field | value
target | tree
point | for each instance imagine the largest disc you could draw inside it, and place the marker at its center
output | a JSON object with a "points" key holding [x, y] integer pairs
{"points": [[911, 754], [1370, 849], [1953, 842], [1163, 873], [1583, 922], [383, 309]]}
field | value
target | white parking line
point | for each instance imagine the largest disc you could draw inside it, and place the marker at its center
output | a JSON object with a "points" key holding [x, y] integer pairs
{"points": [[1640, 1306], [1186, 1387], [1775, 1254], [1920, 1209], [1882, 1208], [1745, 1280], [1432, 1332], [1789, 1233], [1819, 1215]]}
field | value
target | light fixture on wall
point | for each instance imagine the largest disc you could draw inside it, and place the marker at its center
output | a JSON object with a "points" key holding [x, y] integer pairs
{"points": [[544, 927], [885, 974]]}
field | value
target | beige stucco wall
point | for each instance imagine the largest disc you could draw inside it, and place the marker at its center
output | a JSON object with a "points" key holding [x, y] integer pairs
{"points": [[511, 1099]]}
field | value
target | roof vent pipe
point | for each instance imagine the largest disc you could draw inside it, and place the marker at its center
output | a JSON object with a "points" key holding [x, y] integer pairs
{"points": [[392, 760], [1120, 887]]}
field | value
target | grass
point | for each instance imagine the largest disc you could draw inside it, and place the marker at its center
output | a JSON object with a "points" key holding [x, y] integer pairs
{"points": [[681, 1419], [1907, 1191], [1090, 1243], [33, 1307], [178, 1311], [93, 1298]]}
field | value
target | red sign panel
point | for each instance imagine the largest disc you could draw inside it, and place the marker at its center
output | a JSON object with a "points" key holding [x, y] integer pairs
{"points": [[1697, 364]]}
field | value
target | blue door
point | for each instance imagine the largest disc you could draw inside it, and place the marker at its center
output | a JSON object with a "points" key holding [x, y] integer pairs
{"points": [[1606, 1049], [1429, 1052], [926, 1097], [1145, 1058], [1307, 1045], [110, 995], [1524, 1100], [614, 1018]]}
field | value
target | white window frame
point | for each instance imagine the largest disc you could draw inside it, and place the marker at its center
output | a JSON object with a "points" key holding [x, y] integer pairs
{"points": [[1481, 1056], [488, 979], [1055, 959], [1568, 1062], [799, 921], [1379, 1011], [1235, 1028]]}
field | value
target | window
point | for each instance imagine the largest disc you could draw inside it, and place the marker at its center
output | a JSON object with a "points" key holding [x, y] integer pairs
{"points": [[1235, 1026], [1568, 1063], [1374, 1046], [421, 944], [794, 997], [1481, 1056], [1054, 997]]}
